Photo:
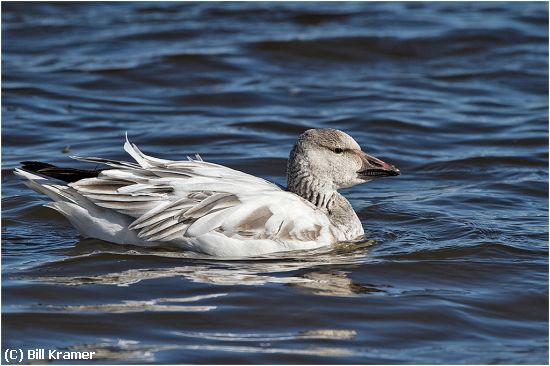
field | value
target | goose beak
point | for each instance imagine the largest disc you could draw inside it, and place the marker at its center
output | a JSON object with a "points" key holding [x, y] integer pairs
{"points": [[375, 168]]}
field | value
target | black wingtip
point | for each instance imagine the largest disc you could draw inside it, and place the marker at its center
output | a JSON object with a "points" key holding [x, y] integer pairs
{"points": [[35, 166], [68, 175]]}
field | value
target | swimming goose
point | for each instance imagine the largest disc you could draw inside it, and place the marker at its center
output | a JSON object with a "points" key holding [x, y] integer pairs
{"points": [[212, 209]]}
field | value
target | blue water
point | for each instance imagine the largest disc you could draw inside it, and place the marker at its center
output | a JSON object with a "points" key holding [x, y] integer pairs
{"points": [[454, 264]]}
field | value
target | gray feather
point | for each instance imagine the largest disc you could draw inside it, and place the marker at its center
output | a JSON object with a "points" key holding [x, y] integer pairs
{"points": [[214, 202]]}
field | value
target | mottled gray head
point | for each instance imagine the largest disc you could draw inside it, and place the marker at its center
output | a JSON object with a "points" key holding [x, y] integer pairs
{"points": [[334, 158]]}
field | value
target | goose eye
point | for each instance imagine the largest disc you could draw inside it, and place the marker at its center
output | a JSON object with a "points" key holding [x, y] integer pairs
{"points": [[338, 150]]}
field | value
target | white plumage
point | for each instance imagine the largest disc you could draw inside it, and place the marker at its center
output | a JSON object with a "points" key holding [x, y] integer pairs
{"points": [[193, 204]]}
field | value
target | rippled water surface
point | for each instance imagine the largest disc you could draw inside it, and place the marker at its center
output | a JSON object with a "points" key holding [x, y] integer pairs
{"points": [[454, 265]]}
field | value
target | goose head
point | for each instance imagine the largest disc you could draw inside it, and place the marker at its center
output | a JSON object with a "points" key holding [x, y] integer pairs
{"points": [[334, 160]]}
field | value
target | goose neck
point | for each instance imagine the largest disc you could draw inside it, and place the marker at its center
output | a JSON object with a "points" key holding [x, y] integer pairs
{"points": [[311, 188]]}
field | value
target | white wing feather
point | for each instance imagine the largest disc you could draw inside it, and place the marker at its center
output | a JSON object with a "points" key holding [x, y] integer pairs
{"points": [[204, 206]]}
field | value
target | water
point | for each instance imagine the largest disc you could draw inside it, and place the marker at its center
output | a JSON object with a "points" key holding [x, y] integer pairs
{"points": [[454, 266]]}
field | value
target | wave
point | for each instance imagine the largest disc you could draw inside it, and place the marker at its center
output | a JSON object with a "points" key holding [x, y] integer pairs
{"points": [[488, 250], [372, 48], [476, 162], [273, 126]]}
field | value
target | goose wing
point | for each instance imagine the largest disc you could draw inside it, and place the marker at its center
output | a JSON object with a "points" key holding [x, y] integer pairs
{"points": [[171, 200]]}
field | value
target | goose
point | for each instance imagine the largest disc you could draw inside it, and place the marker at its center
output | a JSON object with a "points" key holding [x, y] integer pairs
{"points": [[211, 209]]}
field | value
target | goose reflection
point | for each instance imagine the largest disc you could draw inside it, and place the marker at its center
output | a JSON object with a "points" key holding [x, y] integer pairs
{"points": [[312, 272]]}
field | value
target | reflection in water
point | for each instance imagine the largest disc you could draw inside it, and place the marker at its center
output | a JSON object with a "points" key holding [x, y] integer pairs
{"points": [[122, 349], [335, 334], [132, 306], [308, 351], [133, 351], [334, 283], [324, 283], [321, 279]]}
